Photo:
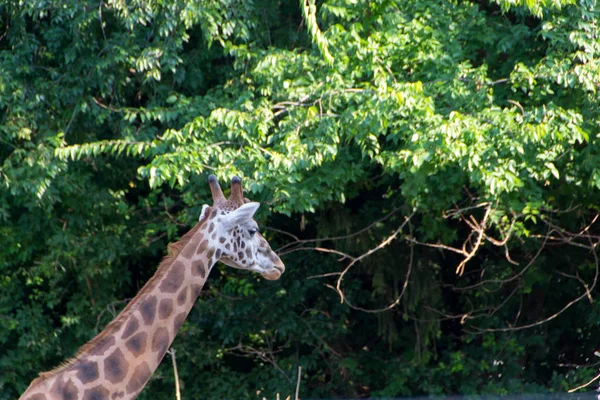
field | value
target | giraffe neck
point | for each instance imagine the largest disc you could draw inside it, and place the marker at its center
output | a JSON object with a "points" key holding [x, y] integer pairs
{"points": [[118, 362]]}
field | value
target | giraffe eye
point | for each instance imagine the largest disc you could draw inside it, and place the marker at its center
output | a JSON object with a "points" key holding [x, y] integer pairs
{"points": [[252, 231]]}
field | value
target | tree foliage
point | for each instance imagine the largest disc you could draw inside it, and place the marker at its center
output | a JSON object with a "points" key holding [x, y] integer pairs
{"points": [[473, 126]]}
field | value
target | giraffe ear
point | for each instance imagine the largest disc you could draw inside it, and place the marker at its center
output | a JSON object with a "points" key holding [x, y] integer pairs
{"points": [[203, 213], [242, 214]]}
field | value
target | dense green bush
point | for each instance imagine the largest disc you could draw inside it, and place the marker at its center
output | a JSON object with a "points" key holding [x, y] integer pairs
{"points": [[473, 126]]}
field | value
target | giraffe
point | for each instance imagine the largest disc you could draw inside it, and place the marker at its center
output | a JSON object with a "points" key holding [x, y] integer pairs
{"points": [[120, 360]]}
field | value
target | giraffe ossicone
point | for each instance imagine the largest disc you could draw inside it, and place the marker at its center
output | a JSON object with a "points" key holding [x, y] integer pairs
{"points": [[119, 361]]}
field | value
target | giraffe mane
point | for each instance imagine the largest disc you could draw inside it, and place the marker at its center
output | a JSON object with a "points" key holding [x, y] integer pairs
{"points": [[173, 251]]}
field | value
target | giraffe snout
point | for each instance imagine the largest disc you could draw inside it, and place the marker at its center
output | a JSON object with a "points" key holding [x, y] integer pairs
{"points": [[277, 268]]}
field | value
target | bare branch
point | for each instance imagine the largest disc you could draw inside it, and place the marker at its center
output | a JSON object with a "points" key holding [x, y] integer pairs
{"points": [[264, 356], [437, 246], [298, 383], [480, 229], [320, 339], [110, 307], [508, 257], [585, 230], [516, 103], [503, 281], [305, 101], [177, 389], [553, 316], [324, 275], [320, 249], [397, 300], [380, 246], [585, 384], [459, 211], [334, 238], [585, 285], [502, 242], [474, 314], [270, 228]]}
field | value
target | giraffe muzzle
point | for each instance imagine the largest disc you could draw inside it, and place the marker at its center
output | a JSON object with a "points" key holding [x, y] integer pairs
{"points": [[275, 273]]}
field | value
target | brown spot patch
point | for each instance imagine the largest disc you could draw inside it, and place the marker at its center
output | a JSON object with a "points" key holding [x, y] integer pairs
{"points": [[117, 395], [165, 308], [243, 244], [198, 268], [222, 240], [249, 253], [228, 246], [182, 297], [87, 371], [102, 345], [139, 378], [196, 289], [211, 227], [218, 254], [96, 393], [137, 344], [188, 251], [174, 278], [240, 255], [115, 367], [64, 390], [160, 342], [179, 320], [210, 254], [131, 328], [202, 247], [38, 396], [148, 309]]}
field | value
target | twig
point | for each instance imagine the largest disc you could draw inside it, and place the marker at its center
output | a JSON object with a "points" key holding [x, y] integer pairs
{"points": [[321, 249], [460, 269], [589, 225], [478, 228], [516, 103], [458, 211], [568, 305], [101, 22], [565, 233], [585, 285], [584, 385], [510, 279], [332, 238], [177, 391], [264, 356], [270, 228], [298, 383], [325, 275], [110, 108], [438, 246], [380, 246], [397, 300], [565, 365], [110, 307], [323, 342]]}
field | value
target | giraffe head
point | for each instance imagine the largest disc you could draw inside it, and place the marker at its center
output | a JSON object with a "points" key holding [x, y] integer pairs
{"points": [[235, 233]]}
